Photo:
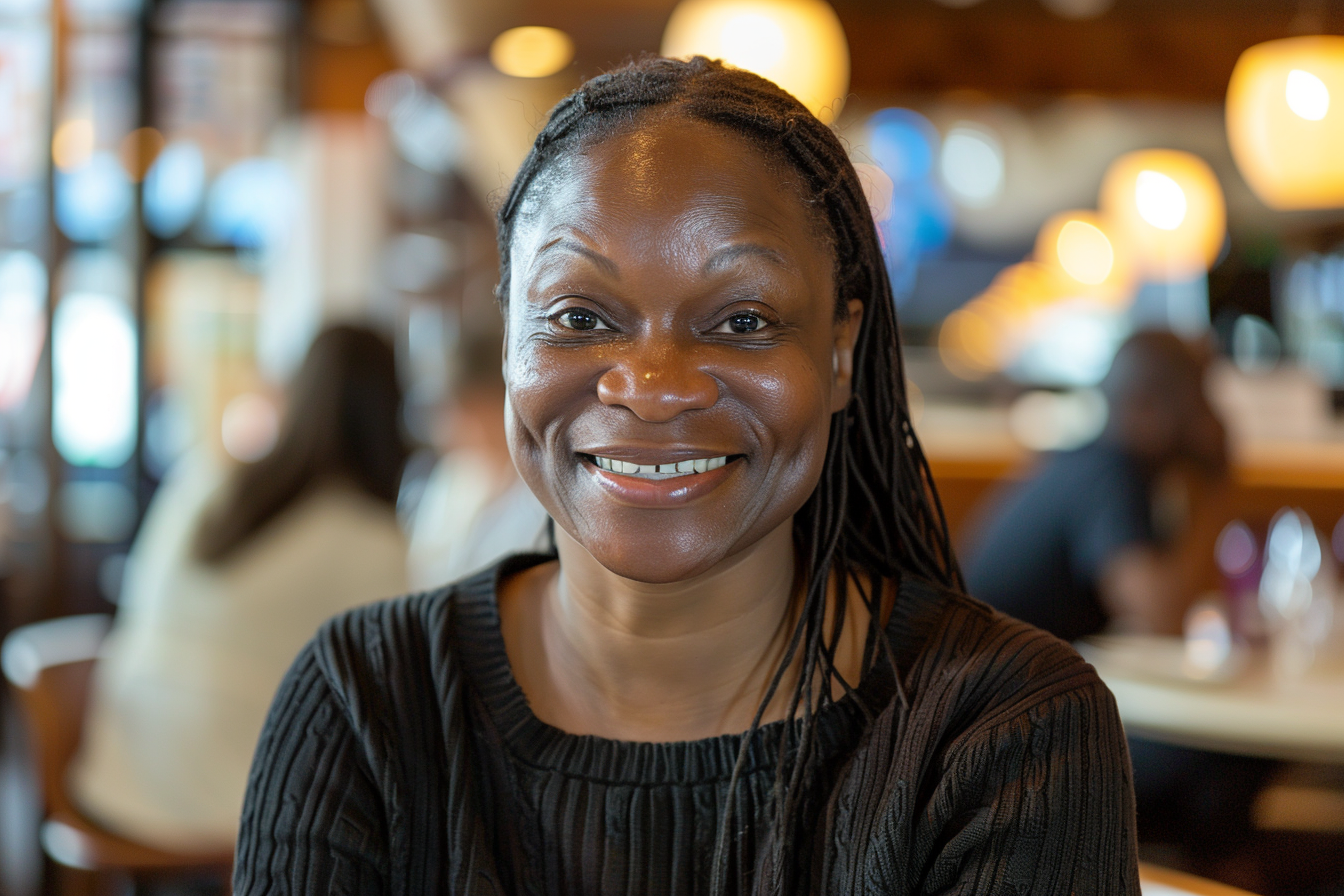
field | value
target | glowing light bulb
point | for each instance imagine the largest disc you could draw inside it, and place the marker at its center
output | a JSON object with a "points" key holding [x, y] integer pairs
{"points": [[1287, 143], [1307, 95], [798, 44], [757, 40], [1167, 208], [1087, 260], [1085, 253], [1160, 200], [531, 51]]}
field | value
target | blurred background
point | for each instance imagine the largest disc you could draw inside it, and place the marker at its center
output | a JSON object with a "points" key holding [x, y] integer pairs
{"points": [[191, 190]]}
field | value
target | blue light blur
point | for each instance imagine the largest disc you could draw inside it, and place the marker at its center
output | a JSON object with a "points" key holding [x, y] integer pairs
{"points": [[93, 359], [251, 204], [93, 200], [904, 144], [174, 188], [23, 298]]}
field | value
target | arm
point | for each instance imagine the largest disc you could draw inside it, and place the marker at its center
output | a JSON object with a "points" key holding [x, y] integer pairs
{"points": [[1038, 802], [312, 819], [1147, 589]]}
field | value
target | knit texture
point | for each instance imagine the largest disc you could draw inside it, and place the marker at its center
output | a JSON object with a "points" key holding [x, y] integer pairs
{"points": [[401, 757]]}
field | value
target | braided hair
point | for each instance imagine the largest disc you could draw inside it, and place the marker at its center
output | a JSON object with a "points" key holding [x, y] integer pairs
{"points": [[875, 514]]}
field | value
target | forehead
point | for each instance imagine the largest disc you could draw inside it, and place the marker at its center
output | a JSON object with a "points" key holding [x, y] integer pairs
{"points": [[676, 184]]}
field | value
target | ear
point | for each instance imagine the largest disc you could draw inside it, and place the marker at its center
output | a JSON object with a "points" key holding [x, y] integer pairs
{"points": [[842, 355]]}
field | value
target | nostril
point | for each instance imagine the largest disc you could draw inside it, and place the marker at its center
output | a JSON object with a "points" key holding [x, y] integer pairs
{"points": [[659, 394]]}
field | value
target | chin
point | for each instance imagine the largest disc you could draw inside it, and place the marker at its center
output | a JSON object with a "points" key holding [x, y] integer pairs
{"points": [[660, 555]]}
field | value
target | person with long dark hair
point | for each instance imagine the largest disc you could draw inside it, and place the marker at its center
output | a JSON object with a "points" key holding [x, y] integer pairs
{"points": [[222, 592], [749, 666]]}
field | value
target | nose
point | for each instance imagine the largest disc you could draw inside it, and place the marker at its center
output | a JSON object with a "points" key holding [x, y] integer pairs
{"points": [[658, 384]]}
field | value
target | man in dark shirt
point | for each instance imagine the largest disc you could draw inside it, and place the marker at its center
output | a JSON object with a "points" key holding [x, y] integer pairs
{"points": [[1077, 547], [1084, 545]]}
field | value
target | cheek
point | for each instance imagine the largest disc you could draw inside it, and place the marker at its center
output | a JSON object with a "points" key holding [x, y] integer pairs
{"points": [[791, 401], [528, 385], [546, 389]]}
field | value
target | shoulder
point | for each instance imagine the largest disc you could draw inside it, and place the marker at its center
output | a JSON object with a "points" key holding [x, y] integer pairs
{"points": [[1099, 465], [386, 629], [979, 665], [336, 510], [388, 643], [413, 646]]}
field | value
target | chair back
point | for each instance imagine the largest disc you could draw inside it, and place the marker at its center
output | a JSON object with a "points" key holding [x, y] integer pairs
{"points": [[49, 666]]}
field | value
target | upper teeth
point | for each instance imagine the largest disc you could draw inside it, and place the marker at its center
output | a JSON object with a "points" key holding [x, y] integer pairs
{"points": [[661, 471]]}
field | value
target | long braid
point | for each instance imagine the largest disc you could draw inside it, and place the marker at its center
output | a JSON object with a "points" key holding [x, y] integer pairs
{"points": [[875, 514]]}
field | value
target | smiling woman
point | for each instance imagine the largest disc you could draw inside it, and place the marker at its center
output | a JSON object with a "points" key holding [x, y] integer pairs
{"points": [[748, 667]]}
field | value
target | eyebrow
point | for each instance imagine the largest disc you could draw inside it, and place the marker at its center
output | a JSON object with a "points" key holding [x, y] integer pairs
{"points": [[728, 254], [716, 262], [568, 244]]}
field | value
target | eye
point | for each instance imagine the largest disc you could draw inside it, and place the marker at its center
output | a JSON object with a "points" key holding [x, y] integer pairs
{"points": [[580, 319], [741, 322]]}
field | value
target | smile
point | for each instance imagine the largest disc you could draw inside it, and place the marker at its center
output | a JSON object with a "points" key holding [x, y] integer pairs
{"points": [[659, 471]]}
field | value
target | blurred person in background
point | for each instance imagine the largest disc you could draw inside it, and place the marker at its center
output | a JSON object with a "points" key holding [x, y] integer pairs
{"points": [[1117, 534], [475, 509], [226, 581]]}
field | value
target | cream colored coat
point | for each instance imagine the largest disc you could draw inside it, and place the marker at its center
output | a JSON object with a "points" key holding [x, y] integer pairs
{"points": [[197, 652]]}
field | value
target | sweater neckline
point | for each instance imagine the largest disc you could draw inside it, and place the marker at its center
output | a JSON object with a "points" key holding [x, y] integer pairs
{"points": [[479, 642]]}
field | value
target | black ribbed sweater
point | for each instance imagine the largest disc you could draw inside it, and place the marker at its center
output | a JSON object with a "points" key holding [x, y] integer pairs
{"points": [[401, 757]]}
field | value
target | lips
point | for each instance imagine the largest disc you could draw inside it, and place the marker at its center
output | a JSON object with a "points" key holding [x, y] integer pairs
{"points": [[658, 481], [667, 469]]}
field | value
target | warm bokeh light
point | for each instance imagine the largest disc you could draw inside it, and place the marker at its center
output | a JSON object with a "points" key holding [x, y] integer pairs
{"points": [[984, 336], [798, 44], [1284, 124], [1080, 245], [138, 151], [1085, 253], [1160, 199], [968, 343], [72, 144], [1168, 209], [1307, 95], [531, 51]]}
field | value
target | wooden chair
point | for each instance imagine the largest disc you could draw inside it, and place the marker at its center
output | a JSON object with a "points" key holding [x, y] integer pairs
{"points": [[1157, 881], [49, 666]]}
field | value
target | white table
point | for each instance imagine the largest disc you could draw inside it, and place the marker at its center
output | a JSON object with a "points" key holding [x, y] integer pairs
{"points": [[1155, 881], [1250, 714]]}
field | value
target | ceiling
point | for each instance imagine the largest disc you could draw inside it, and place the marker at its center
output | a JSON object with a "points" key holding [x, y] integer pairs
{"points": [[1177, 49]]}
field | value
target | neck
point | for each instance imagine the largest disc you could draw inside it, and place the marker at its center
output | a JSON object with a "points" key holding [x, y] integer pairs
{"points": [[600, 654]]}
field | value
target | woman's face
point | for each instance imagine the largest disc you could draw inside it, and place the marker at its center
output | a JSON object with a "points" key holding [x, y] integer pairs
{"points": [[673, 356]]}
